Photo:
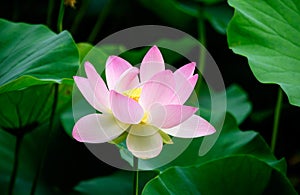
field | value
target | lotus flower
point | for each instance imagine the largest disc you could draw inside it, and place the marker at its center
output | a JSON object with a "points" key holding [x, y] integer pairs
{"points": [[146, 104]]}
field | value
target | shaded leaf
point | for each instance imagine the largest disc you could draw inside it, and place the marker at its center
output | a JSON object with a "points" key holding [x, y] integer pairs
{"points": [[107, 185], [218, 16], [232, 175]]}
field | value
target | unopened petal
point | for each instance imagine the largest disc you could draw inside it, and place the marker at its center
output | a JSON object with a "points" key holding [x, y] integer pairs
{"points": [[152, 63], [125, 109], [115, 67], [145, 147], [167, 116], [97, 128], [193, 127]]}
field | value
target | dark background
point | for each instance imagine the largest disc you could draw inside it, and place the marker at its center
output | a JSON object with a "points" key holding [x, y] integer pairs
{"points": [[118, 15]]}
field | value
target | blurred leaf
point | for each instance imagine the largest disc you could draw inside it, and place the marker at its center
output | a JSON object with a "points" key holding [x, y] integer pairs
{"points": [[209, 1], [219, 16], [31, 151], [238, 103], [32, 55], [178, 15], [107, 185], [267, 33], [83, 49], [231, 175]]}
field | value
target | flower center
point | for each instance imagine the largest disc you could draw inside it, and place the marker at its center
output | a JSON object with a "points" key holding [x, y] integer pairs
{"points": [[133, 93]]}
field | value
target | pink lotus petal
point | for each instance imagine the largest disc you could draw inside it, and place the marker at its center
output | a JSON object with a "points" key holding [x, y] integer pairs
{"points": [[167, 116], [185, 87], [98, 128], [128, 80], [115, 67], [186, 70], [154, 92], [143, 130], [165, 77], [125, 109], [88, 93], [144, 147], [195, 126], [98, 86], [152, 63]]}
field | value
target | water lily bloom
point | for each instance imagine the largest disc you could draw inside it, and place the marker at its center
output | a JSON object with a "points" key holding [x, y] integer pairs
{"points": [[146, 104]]}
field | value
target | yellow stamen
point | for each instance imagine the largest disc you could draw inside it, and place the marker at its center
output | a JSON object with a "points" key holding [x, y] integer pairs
{"points": [[134, 93], [145, 118]]}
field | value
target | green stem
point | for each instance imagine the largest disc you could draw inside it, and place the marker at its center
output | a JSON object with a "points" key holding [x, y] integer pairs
{"points": [[202, 39], [12, 182], [276, 120], [51, 121], [99, 22], [60, 16], [49, 13], [136, 176]]}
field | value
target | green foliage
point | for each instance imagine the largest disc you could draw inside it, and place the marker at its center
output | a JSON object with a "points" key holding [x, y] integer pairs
{"points": [[34, 61], [107, 185], [232, 141], [231, 175], [267, 33], [32, 55]]}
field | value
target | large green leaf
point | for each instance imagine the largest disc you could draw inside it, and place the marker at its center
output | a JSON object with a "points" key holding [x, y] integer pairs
{"points": [[268, 34], [232, 175], [32, 55]]}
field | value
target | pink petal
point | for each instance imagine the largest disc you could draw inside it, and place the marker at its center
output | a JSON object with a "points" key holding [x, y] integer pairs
{"points": [[144, 147], [125, 109], [128, 80], [184, 87], [186, 70], [165, 77], [154, 92], [98, 86], [195, 126], [115, 67], [152, 63], [88, 93], [167, 116], [98, 128]]}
